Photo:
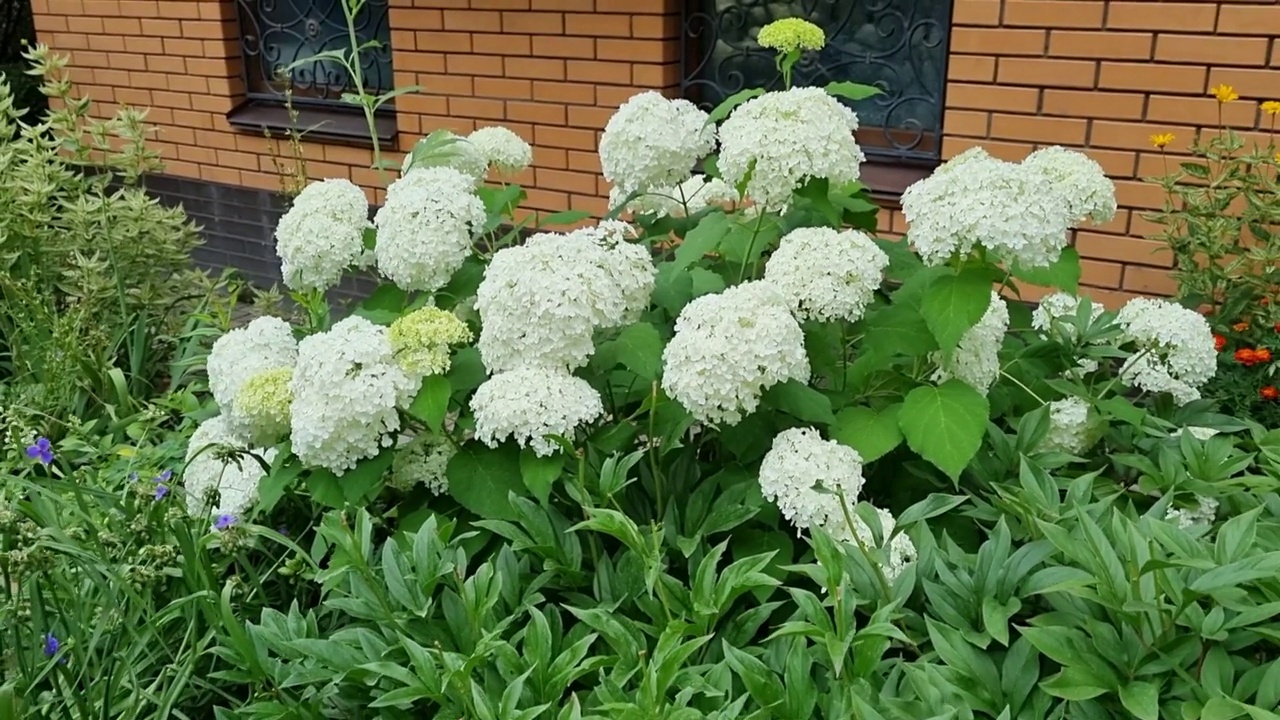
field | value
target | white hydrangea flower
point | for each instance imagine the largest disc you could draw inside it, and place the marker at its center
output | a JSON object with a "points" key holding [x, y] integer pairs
{"points": [[426, 227], [1200, 516], [502, 149], [688, 198], [260, 412], [346, 388], [322, 234], [654, 142], [1068, 426], [805, 476], [540, 302], [785, 138], [827, 275], [216, 460], [421, 340], [729, 348], [1175, 348], [265, 344], [1089, 193], [1199, 433], [902, 551], [976, 360], [422, 460], [1013, 210], [460, 155], [529, 403]]}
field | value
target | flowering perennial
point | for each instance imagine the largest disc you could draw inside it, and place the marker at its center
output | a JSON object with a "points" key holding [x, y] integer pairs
{"points": [[811, 480], [901, 551], [1175, 348], [426, 227], [422, 460], [421, 340], [791, 34], [1055, 311], [976, 360], [1088, 192], [1068, 426], [260, 411], [688, 198], [322, 234], [454, 152], [1200, 516], [783, 139], [653, 142], [346, 389], [263, 345], [827, 275], [504, 150], [216, 462], [530, 403], [729, 348]]}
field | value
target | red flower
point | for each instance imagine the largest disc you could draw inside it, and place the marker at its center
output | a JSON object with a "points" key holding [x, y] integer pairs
{"points": [[1278, 327], [1262, 355], [1219, 342], [1240, 326], [1245, 356], [1269, 393]]}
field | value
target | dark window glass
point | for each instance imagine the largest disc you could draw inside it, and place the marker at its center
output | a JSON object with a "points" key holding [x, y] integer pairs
{"points": [[276, 33], [898, 45]]}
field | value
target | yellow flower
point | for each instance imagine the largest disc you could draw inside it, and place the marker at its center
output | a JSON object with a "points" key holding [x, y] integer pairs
{"points": [[1161, 140], [791, 34], [1224, 93], [421, 340], [1277, 158], [1271, 107]]}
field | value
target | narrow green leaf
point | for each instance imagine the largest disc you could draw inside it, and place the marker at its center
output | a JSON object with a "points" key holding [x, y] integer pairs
{"points": [[727, 105], [852, 91]]}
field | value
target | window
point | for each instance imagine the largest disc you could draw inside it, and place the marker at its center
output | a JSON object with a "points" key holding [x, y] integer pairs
{"points": [[898, 45], [277, 33]]}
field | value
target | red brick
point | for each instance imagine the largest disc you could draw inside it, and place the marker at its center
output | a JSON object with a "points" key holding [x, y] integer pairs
{"points": [[475, 64], [1046, 72], [1147, 77], [473, 20], [568, 138], [1093, 104], [598, 71], [534, 23], [1251, 84], [1110, 45], [1062, 131], [1123, 249], [998, 41], [564, 47], [1054, 13], [537, 113], [536, 68], [1249, 19], [503, 88], [1211, 50], [572, 93], [1149, 281], [1143, 15], [595, 25], [970, 67], [976, 12], [502, 44]]}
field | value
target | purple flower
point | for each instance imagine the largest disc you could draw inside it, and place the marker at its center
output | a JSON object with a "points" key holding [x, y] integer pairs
{"points": [[283, 530], [164, 477], [133, 476], [42, 450], [161, 491], [51, 645], [224, 521]]}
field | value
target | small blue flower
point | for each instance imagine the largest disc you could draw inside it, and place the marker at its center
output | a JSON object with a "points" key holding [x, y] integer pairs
{"points": [[283, 530], [42, 450], [51, 645], [164, 477], [224, 521], [133, 476], [161, 491]]}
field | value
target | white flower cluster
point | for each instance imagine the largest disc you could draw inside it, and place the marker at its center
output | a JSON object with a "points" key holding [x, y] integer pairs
{"points": [[502, 149], [426, 227], [530, 402], [237, 361], [729, 348], [1011, 209], [688, 198], [784, 138], [346, 389], [827, 275], [322, 234], [1089, 194], [443, 149], [976, 359], [816, 482], [653, 142], [1175, 348], [1058, 307], [540, 302], [1068, 426], [1200, 516], [260, 412], [216, 461], [421, 340], [1197, 432], [422, 460]]}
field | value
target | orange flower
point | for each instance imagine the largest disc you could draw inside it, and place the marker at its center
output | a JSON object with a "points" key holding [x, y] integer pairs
{"points": [[1224, 93], [1244, 356], [1262, 355], [1240, 326], [1161, 140], [1264, 302], [1277, 326], [1269, 392], [1219, 342]]}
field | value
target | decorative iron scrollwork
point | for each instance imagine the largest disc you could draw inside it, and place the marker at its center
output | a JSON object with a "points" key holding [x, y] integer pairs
{"points": [[898, 45], [276, 33]]}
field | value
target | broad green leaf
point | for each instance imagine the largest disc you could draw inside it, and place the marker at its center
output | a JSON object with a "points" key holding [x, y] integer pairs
{"points": [[540, 473], [432, 401], [481, 480], [945, 424], [1142, 699], [1238, 573], [673, 288], [873, 434], [361, 483], [953, 304], [1220, 708], [1072, 684], [702, 239], [383, 305], [466, 372], [638, 348], [1063, 274], [325, 488], [727, 105], [564, 217], [902, 261], [800, 401], [852, 91], [898, 330], [761, 682], [284, 472]]}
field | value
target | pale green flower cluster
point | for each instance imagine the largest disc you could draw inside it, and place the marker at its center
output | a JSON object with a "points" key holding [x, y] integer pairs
{"points": [[791, 34], [421, 340], [263, 402]]}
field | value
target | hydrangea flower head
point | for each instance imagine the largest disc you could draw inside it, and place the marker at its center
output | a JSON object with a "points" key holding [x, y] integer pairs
{"points": [[1175, 348], [1198, 517], [322, 234], [426, 227], [265, 344], [1068, 426], [346, 388], [784, 138], [260, 411], [901, 550], [791, 34], [654, 142], [976, 359], [210, 467], [729, 348], [827, 275], [1088, 192], [423, 460], [529, 403], [807, 477], [1199, 433], [502, 149], [421, 340]]}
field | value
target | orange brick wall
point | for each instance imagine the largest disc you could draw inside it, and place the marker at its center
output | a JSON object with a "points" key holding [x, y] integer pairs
{"points": [[1100, 75]]}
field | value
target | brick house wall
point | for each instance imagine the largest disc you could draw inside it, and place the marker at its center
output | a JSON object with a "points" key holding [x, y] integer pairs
{"points": [[1098, 75]]}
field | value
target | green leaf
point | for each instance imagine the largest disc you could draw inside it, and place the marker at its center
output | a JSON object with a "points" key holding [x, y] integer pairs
{"points": [[673, 288], [564, 217], [945, 424], [638, 348], [1072, 684], [760, 681], [902, 261], [1063, 274], [1142, 699], [383, 305], [362, 483], [284, 472], [954, 303], [873, 434], [727, 105], [898, 330], [466, 372], [702, 239], [481, 479], [800, 401], [432, 401], [852, 91], [540, 473], [325, 488], [934, 505]]}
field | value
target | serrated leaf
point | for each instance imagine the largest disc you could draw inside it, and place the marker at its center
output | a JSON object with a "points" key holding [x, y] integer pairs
{"points": [[945, 424], [1063, 274], [702, 239], [873, 434], [800, 401], [953, 304], [638, 348], [431, 403], [481, 480]]}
